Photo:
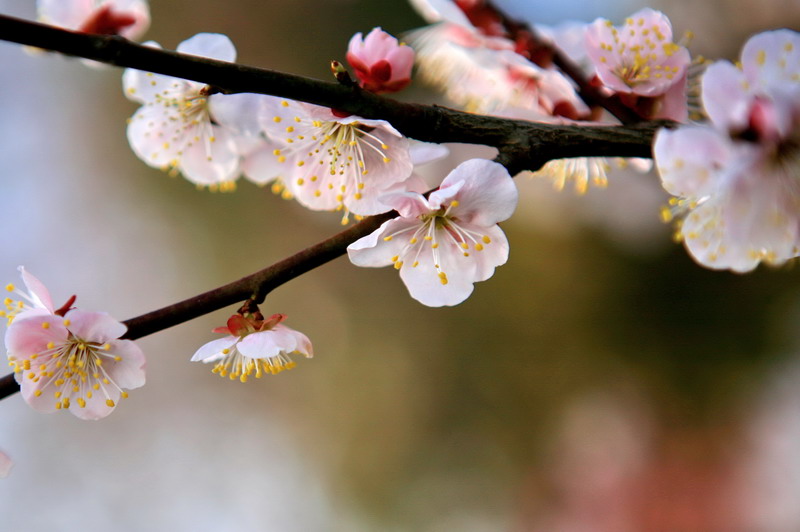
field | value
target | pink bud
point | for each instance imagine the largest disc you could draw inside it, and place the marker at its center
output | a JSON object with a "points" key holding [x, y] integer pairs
{"points": [[380, 62]]}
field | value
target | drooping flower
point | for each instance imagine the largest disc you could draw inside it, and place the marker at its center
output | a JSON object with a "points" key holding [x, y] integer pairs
{"points": [[333, 162], [641, 63], [446, 242], [738, 179], [585, 171], [127, 18], [182, 125], [381, 63], [74, 362], [254, 345]]}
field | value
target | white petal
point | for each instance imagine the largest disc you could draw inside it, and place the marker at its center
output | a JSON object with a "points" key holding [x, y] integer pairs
{"points": [[211, 157], [266, 344], [374, 251], [726, 96], [772, 57], [211, 45], [689, 160], [238, 112], [427, 152], [65, 13], [260, 164], [489, 194], [150, 138], [212, 351], [425, 285]]}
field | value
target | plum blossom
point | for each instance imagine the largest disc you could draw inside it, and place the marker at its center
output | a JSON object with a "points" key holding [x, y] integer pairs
{"points": [[74, 362], [738, 179], [332, 162], [444, 243], [381, 63], [127, 18], [485, 74], [254, 345], [641, 63], [182, 125]]}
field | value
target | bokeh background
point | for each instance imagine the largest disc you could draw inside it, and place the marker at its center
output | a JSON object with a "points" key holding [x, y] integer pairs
{"points": [[600, 381]]}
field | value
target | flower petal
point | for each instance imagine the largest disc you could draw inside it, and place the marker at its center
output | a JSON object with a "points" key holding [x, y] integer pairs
{"points": [[211, 45], [94, 326], [212, 351], [488, 195], [129, 371]]}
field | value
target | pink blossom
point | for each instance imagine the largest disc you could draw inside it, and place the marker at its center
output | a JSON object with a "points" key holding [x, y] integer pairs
{"points": [[380, 62], [332, 162], [639, 61], [770, 61], [254, 345], [446, 242], [128, 18], [737, 178], [182, 126], [74, 362]]}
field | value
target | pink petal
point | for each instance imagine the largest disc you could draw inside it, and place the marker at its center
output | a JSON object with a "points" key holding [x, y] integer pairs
{"points": [[37, 289], [94, 326], [26, 335], [128, 373]]}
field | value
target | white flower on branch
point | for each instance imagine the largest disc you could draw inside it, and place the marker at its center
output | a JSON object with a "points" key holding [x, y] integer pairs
{"points": [[333, 161], [254, 346], [444, 243], [183, 125]]}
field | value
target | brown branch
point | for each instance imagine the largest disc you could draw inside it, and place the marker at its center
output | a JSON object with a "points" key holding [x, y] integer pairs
{"points": [[529, 144], [522, 145]]}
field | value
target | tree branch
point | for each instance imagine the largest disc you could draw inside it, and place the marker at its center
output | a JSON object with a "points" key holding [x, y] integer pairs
{"points": [[528, 144], [522, 145]]}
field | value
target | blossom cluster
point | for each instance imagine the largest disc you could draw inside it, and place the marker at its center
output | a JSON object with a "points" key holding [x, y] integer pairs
{"points": [[479, 64], [735, 178]]}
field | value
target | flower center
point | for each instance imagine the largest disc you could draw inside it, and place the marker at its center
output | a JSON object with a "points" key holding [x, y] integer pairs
{"points": [[438, 230], [76, 370], [235, 365], [343, 153]]}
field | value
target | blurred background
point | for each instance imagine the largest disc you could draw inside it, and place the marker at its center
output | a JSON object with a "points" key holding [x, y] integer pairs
{"points": [[600, 381]]}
